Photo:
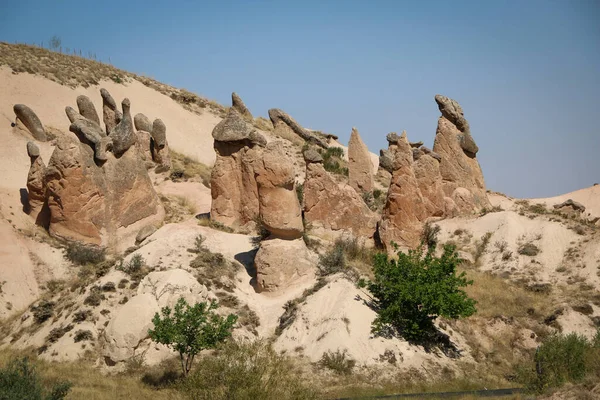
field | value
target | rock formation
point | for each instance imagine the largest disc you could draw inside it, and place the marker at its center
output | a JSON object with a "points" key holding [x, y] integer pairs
{"points": [[110, 115], [31, 121], [233, 184], [36, 190], [142, 123], [405, 207], [427, 172], [360, 167], [287, 128], [160, 146], [122, 135], [334, 209], [281, 216], [459, 166], [87, 109], [96, 203], [240, 107]]}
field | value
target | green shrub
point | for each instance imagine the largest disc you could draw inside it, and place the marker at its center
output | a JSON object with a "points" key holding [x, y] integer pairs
{"points": [[81, 255], [43, 311], [529, 249], [191, 329], [332, 160], [481, 246], [332, 262], [300, 193], [246, 371], [561, 359], [94, 298], [409, 293], [429, 236], [135, 267], [337, 361], [20, 380], [82, 335]]}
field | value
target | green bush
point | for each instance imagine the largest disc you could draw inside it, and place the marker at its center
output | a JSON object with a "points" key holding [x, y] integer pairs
{"points": [[20, 380], [191, 329], [411, 292], [429, 236], [43, 311], [337, 361], [82, 255], [136, 267], [246, 371], [529, 249], [333, 162], [561, 359]]}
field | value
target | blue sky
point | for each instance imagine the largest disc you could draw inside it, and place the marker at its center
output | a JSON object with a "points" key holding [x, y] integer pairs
{"points": [[527, 73]]}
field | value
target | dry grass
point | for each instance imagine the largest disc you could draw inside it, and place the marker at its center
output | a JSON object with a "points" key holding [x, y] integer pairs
{"points": [[177, 208], [184, 168], [90, 383], [74, 70]]}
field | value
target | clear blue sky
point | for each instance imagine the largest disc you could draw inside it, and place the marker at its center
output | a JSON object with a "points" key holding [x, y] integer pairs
{"points": [[527, 72]]}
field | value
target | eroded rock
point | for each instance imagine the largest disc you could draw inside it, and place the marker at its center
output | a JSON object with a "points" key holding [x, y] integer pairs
{"points": [[360, 167], [87, 109], [31, 121], [287, 128], [240, 107], [110, 114]]}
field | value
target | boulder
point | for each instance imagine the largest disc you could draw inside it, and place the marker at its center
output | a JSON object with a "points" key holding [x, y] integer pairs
{"points": [[572, 204], [334, 209], [142, 123], [360, 167], [280, 262], [122, 135], [279, 208], [87, 109], [36, 190], [160, 146], [31, 121], [287, 128], [110, 114], [240, 107], [145, 233], [405, 207], [386, 160], [159, 133], [459, 168], [234, 190]]}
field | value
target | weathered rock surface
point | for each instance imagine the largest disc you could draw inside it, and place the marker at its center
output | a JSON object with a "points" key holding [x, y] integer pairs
{"points": [[36, 190], [122, 135], [87, 109], [457, 167], [429, 180], [240, 107], [386, 160], [279, 208], [31, 121], [280, 262], [110, 114], [144, 233], [360, 167], [453, 112], [335, 209], [89, 132], [142, 123], [143, 143], [405, 206], [234, 189], [572, 204], [160, 146], [287, 128]]}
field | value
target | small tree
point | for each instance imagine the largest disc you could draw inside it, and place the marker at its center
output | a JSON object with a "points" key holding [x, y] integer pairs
{"points": [[191, 329], [411, 292]]}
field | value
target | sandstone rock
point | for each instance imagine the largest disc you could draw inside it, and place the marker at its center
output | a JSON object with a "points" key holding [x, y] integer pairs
{"points": [[570, 203], [160, 146], [360, 167], [144, 233], [429, 180], [36, 190], [453, 112], [335, 209], [144, 145], [142, 123], [392, 138], [464, 201], [386, 160], [458, 169], [433, 154], [416, 145], [280, 262], [279, 208], [312, 156], [87, 109], [240, 107], [234, 190], [405, 207], [129, 327], [31, 121], [122, 135], [110, 115], [159, 133], [89, 132], [287, 128]]}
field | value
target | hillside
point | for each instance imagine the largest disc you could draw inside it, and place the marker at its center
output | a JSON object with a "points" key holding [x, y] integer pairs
{"points": [[535, 267]]}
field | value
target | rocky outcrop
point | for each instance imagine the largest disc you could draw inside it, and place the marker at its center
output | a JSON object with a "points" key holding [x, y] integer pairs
{"points": [[234, 189], [570, 203], [360, 167], [122, 135], [160, 146], [30, 120], [110, 114], [90, 133], [429, 180], [87, 109], [405, 207], [287, 128], [240, 107], [36, 190], [280, 262], [334, 209], [453, 143], [142, 123]]}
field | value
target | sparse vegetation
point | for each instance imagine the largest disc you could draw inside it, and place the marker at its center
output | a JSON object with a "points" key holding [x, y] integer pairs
{"points": [[481, 246], [94, 298], [212, 268], [136, 267], [528, 249], [80, 254], [337, 361], [190, 329], [429, 236], [375, 200], [82, 335], [347, 255], [42, 311], [214, 225], [333, 160], [409, 293], [19, 379], [184, 168]]}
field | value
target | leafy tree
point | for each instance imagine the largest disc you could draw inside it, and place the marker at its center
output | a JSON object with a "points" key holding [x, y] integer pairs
{"points": [[191, 329], [411, 292], [20, 380]]}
